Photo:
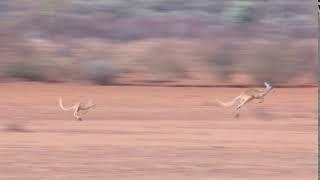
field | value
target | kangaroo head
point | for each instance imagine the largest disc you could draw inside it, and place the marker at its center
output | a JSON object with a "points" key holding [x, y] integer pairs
{"points": [[268, 87]]}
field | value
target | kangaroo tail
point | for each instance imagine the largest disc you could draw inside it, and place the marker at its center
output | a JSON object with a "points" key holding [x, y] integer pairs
{"points": [[228, 104], [63, 107]]}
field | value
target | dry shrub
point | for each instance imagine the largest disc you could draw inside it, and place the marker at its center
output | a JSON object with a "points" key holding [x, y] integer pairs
{"points": [[47, 71], [100, 72], [277, 63], [15, 127], [27, 71], [222, 61], [167, 60]]}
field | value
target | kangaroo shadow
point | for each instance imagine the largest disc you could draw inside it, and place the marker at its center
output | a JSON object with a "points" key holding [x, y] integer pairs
{"points": [[263, 114]]}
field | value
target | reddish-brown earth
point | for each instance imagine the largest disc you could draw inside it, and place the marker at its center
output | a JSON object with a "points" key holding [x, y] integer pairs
{"points": [[151, 133]]}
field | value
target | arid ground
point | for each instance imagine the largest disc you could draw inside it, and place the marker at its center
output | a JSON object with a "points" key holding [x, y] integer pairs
{"points": [[151, 133]]}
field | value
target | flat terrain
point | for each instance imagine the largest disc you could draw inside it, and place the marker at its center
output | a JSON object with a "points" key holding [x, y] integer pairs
{"points": [[151, 133]]}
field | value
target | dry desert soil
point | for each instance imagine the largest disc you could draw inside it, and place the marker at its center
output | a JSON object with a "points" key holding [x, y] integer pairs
{"points": [[153, 133]]}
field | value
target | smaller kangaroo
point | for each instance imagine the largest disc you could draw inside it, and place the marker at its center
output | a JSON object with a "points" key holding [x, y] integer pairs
{"points": [[77, 107], [248, 96]]}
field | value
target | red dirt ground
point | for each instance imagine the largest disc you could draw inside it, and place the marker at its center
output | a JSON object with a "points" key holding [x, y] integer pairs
{"points": [[151, 133]]}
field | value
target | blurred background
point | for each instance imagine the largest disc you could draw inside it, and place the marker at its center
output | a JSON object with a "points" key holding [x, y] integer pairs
{"points": [[193, 42]]}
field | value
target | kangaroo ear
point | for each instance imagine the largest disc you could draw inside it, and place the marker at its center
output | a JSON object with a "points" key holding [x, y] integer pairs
{"points": [[267, 84]]}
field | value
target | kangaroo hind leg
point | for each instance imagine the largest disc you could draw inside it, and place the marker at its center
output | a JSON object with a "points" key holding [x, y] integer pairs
{"points": [[243, 101], [75, 114]]}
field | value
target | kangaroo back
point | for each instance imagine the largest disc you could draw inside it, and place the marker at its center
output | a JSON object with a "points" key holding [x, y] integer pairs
{"points": [[228, 104]]}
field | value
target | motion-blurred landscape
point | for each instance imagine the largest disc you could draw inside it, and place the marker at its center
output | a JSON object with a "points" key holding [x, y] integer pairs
{"points": [[160, 41], [155, 68]]}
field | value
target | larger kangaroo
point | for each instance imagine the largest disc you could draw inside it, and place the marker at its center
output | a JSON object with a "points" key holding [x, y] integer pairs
{"points": [[247, 96]]}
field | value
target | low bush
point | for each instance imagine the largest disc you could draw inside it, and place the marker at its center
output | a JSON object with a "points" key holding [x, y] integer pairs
{"points": [[27, 71], [100, 72]]}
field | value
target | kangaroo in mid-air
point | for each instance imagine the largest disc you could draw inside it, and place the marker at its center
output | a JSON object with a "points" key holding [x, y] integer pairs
{"points": [[247, 96], [77, 107]]}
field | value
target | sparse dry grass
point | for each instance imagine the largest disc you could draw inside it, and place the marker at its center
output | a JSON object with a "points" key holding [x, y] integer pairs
{"points": [[172, 59]]}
